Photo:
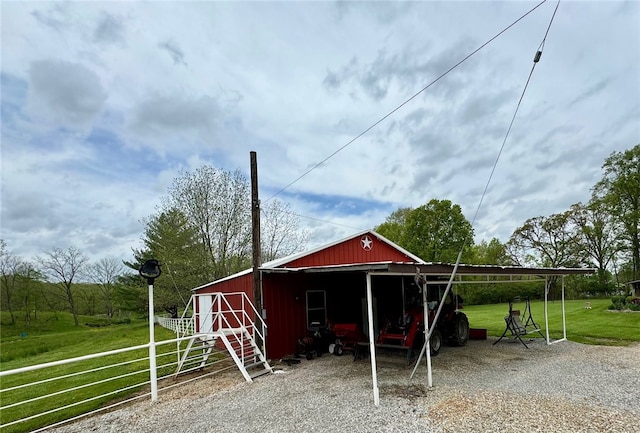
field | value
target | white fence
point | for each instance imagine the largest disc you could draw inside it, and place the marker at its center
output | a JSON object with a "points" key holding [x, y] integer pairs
{"points": [[39, 397], [42, 396], [182, 326]]}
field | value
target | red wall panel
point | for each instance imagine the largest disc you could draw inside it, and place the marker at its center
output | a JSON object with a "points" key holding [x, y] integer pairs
{"points": [[352, 251]]}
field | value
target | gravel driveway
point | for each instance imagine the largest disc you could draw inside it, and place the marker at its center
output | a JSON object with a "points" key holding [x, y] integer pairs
{"points": [[566, 387]]}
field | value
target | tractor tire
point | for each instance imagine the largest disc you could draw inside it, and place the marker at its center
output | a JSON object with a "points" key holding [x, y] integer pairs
{"points": [[435, 342], [460, 329]]}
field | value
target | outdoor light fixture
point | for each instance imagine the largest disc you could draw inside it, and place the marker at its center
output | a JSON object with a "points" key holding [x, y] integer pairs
{"points": [[150, 270]]}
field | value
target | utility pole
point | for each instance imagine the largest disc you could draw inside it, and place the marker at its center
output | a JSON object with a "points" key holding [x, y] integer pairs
{"points": [[255, 232]]}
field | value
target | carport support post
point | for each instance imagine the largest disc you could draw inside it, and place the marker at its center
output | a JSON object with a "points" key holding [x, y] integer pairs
{"points": [[564, 321], [372, 344], [425, 304], [546, 312]]}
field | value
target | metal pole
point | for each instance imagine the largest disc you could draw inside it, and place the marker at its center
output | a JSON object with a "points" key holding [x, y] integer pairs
{"points": [[372, 345], [564, 321], [152, 348], [435, 319], [425, 306], [546, 313]]}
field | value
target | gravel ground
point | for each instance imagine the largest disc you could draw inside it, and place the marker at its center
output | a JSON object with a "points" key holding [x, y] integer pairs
{"points": [[566, 387]]}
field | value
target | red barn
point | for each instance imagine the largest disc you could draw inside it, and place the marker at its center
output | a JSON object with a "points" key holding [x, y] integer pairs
{"points": [[325, 284], [330, 285]]}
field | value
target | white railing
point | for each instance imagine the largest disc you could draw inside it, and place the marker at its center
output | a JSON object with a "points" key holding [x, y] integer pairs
{"points": [[42, 396], [181, 326], [216, 311]]}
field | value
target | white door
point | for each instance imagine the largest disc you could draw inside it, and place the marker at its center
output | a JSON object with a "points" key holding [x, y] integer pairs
{"points": [[205, 320]]}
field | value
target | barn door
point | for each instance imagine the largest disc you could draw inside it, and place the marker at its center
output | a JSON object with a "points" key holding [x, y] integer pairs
{"points": [[205, 319], [316, 308]]}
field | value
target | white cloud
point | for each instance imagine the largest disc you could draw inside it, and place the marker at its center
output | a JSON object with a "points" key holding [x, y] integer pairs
{"points": [[104, 103], [67, 93]]}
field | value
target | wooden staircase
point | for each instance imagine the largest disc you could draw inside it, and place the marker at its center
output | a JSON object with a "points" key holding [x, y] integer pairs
{"points": [[223, 330]]}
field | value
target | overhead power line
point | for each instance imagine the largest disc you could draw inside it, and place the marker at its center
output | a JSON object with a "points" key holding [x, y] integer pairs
{"points": [[319, 220], [536, 59], [382, 119]]}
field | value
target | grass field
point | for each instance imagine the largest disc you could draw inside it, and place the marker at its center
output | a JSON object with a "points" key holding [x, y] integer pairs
{"points": [[54, 337], [595, 326]]}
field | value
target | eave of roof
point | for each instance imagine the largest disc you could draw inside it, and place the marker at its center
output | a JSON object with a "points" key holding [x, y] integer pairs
{"points": [[438, 269]]}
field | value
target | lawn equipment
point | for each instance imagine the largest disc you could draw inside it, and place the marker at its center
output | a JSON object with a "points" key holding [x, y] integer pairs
{"points": [[315, 343], [347, 335]]}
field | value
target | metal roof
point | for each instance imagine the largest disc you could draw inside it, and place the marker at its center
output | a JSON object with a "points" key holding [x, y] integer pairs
{"points": [[436, 269]]}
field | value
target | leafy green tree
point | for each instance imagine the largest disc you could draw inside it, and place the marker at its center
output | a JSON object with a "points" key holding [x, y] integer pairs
{"points": [[600, 240], [434, 232], [10, 270], [30, 292], [437, 231], [552, 241], [130, 295], [619, 191], [394, 226], [492, 253], [170, 239]]}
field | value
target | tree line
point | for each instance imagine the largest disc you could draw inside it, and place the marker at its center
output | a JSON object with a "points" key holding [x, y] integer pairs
{"points": [[202, 232], [602, 233]]}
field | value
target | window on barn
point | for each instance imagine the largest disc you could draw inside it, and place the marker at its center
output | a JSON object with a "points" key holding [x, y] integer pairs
{"points": [[316, 308]]}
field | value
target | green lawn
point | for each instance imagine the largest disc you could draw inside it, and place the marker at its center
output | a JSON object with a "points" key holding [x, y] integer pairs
{"points": [[595, 326], [54, 337]]}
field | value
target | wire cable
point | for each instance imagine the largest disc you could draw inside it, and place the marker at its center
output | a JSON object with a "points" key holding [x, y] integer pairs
{"points": [[382, 119], [536, 59], [317, 219]]}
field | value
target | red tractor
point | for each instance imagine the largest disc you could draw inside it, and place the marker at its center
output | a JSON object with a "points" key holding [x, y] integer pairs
{"points": [[407, 333]]}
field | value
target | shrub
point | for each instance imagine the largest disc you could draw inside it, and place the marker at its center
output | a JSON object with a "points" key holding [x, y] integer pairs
{"points": [[618, 300], [632, 300]]}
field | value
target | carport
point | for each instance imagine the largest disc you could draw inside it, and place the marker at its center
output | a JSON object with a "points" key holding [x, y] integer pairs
{"points": [[397, 275], [338, 282]]}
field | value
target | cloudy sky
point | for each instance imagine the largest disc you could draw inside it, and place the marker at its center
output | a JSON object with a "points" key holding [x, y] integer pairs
{"points": [[104, 103]]}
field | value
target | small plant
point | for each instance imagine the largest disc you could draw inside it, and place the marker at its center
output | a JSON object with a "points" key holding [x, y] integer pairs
{"points": [[631, 303]]}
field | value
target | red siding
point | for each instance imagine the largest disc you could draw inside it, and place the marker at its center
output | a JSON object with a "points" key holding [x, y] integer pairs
{"points": [[284, 302], [284, 294], [242, 283], [351, 251]]}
